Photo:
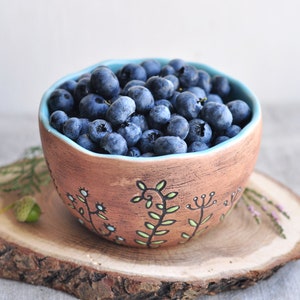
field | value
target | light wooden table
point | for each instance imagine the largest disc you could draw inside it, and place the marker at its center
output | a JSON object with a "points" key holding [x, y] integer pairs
{"points": [[279, 158]]}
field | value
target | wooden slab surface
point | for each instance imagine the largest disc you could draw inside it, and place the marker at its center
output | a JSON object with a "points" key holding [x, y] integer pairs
{"points": [[59, 253]]}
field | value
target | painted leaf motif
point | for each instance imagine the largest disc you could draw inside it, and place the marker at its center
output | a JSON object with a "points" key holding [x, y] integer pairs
{"points": [[149, 225], [158, 242], [185, 235], [140, 242], [161, 232], [161, 185], [102, 216], [81, 211], [148, 204], [172, 209], [141, 185], [136, 199], [171, 195], [168, 222], [154, 215], [159, 206], [193, 223], [82, 199], [206, 219], [142, 234]]}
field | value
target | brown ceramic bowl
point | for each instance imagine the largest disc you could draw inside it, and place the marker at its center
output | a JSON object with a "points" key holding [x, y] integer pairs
{"points": [[152, 201]]}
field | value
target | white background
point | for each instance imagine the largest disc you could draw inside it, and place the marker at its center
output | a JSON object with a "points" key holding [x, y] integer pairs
{"points": [[255, 41]]}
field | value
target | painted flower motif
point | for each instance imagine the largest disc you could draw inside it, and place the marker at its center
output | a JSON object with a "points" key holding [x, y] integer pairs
{"points": [[110, 227], [84, 192], [100, 207], [71, 198]]}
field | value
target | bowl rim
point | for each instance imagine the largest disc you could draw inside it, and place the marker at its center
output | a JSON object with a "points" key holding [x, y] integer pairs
{"points": [[116, 64]]}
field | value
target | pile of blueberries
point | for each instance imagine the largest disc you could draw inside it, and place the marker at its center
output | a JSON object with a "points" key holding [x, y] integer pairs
{"points": [[147, 109]]}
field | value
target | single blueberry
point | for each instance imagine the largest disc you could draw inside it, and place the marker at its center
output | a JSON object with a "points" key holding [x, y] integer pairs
{"points": [[188, 76], [169, 145], [204, 81], [152, 67], [72, 128], [61, 99], [104, 82], [98, 129], [160, 87], [82, 89], [130, 84], [167, 70], [69, 86], [58, 119], [131, 71], [130, 132], [114, 143], [232, 131], [84, 141], [120, 110], [177, 63], [174, 79], [217, 115], [84, 125], [220, 85], [178, 126], [146, 142], [213, 98], [159, 114], [199, 131], [139, 120], [197, 146], [220, 139], [188, 105], [93, 106], [241, 112], [134, 152], [199, 92], [142, 97]]}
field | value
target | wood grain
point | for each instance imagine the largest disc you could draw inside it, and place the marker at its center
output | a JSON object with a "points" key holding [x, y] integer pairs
{"points": [[59, 253]]}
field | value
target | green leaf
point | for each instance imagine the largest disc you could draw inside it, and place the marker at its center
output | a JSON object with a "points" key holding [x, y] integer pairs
{"points": [[161, 232], [82, 199], [142, 234], [171, 195], [159, 206], [141, 242], [167, 222], [172, 209], [149, 225], [206, 219], [141, 185], [193, 223], [161, 185], [136, 199], [185, 235], [158, 242], [154, 215], [148, 204]]}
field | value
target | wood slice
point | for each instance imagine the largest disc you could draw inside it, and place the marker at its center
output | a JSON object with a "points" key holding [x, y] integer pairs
{"points": [[58, 252]]}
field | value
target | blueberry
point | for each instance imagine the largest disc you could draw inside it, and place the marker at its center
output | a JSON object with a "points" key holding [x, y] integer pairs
{"points": [[174, 79], [166, 103], [84, 125], [69, 86], [98, 129], [152, 67], [220, 85], [204, 81], [93, 106], [213, 98], [197, 146], [216, 115], [84, 141], [61, 99], [188, 76], [199, 92], [220, 139], [139, 120], [114, 143], [177, 63], [72, 128], [57, 119], [159, 114], [82, 89], [199, 131], [147, 140], [130, 72], [120, 110], [142, 97], [167, 70], [240, 111], [232, 131], [148, 154], [160, 87], [178, 126], [188, 105], [134, 152], [130, 84], [169, 145], [105, 83], [130, 132]]}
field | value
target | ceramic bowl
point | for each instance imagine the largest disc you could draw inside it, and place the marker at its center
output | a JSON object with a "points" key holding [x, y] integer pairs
{"points": [[152, 201]]}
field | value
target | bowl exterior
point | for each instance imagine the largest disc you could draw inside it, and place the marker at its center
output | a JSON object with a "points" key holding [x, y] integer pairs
{"points": [[151, 203]]}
